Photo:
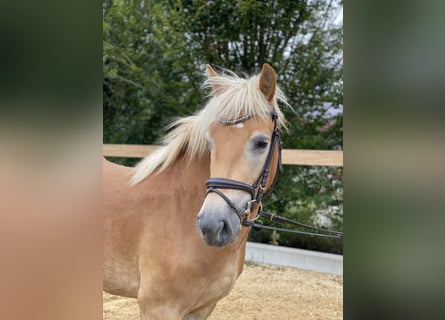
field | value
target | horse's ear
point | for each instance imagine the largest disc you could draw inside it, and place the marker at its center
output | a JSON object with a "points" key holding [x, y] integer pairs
{"points": [[210, 71], [212, 78], [268, 82]]}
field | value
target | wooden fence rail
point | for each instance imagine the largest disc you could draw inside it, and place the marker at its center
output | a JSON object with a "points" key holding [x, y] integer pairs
{"points": [[290, 156]]}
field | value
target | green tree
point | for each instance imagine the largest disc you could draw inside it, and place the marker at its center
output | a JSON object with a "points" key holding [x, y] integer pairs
{"points": [[144, 75]]}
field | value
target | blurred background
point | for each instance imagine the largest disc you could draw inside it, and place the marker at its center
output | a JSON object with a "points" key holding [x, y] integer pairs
{"points": [[59, 58]]}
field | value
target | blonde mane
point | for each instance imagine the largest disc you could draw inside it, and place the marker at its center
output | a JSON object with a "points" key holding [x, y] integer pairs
{"points": [[233, 98]]}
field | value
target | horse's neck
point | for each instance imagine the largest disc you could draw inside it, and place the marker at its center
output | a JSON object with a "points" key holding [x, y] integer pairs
{"points": [[188, 172], [187, 180], [184, 181]]}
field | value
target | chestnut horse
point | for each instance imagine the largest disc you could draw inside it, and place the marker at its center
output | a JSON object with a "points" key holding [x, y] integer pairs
{"points": [[172, 241]]}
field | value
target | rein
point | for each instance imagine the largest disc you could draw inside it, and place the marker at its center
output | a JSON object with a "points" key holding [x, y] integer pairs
{"points": [[256, 191], [273, 217]]}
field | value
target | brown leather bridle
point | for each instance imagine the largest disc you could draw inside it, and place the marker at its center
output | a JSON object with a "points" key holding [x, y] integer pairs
{"points": [[256, 190]]}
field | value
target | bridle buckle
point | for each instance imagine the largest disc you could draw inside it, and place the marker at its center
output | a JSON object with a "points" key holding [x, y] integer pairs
{"points": [[248, 211]]}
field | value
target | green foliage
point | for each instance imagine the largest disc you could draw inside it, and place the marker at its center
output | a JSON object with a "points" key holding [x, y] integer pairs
{"points": [[145, 85], [154, 58]]}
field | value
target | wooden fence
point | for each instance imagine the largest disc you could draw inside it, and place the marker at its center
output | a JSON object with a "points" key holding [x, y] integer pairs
{"points": [[290, 156]]}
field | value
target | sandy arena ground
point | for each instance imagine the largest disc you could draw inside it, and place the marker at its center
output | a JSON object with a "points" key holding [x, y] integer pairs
{"points": [[263, 293]]}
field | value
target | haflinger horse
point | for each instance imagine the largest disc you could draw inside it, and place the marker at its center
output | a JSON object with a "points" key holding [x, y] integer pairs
{"points": [[174, 234]]}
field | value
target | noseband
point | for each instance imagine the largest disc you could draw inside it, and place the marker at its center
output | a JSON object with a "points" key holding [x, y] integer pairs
{"points": [[256, 190]]}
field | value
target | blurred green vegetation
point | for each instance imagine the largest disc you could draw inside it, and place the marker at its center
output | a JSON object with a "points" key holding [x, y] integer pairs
{"points": [[154, 56]]}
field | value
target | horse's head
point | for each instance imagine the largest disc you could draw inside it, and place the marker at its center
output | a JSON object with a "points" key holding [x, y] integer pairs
{"points": [[244, 143]]}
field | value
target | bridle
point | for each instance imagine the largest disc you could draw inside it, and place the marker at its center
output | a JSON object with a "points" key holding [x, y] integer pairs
{"points": [[256, 190]]}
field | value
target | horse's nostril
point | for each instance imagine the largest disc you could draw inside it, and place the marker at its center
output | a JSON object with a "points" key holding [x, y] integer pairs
{"points": [[214, 228], [220, 228], [225, 231]]}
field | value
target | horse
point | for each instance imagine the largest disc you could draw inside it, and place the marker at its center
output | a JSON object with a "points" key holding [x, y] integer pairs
{"points": [[175, 234]]}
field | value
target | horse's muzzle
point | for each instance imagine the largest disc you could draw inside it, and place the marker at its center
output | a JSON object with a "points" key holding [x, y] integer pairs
{"points": [[218, 228]]}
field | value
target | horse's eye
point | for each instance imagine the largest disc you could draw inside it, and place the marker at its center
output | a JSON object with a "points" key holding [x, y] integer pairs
{"points": [[261, 144]]}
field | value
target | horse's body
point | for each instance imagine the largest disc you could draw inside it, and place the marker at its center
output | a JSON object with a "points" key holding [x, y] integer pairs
{"points": [[154, 249]]}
